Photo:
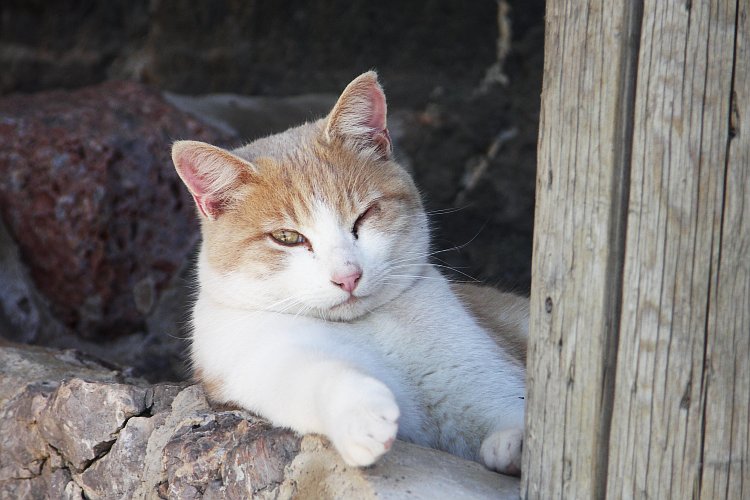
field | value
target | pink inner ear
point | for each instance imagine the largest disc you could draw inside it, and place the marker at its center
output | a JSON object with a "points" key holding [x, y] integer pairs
{"points": [[361, 115], [197, 184], [377, 117], [200, 204], [376, 120]]}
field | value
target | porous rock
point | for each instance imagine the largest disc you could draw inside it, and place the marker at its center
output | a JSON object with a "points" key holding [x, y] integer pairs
{"points": [[88, 192], [97, 434]]}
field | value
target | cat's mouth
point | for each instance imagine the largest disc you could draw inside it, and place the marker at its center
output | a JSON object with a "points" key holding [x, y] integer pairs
{"points": [[353, 299]]}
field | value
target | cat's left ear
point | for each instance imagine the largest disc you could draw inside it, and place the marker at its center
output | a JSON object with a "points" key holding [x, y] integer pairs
{"points": [[359, 116], [212, 175]]}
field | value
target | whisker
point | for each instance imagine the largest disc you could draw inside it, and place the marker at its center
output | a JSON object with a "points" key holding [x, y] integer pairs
{"points": [[457, 271], [416, 276], [450, 210]]}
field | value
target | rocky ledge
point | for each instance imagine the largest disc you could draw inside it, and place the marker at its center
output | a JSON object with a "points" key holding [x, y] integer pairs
{"points": [[73, 428]]}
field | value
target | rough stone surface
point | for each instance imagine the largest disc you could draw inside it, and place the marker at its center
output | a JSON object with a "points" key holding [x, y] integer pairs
{"points": [[112, 475], [156, 354], [238, 457], [24, 453], [66, 421], [88, 192], [21, 366], [101, 435]]}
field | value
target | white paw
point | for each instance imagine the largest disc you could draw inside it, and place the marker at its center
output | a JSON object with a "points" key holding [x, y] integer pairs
{"points": [[501, 451], [364, 421]]}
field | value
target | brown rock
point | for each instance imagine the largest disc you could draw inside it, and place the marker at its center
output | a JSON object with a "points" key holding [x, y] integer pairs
{"points": [[79, 439], [259, 462], [119, 473], [24, 450], [227, 454], [51, 483], [88, 192], [21, 366], [83, 419]]}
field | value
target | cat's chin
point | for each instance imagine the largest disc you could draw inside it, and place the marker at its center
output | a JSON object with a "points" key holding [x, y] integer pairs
{"points": [[349, 310], [356, 307]]}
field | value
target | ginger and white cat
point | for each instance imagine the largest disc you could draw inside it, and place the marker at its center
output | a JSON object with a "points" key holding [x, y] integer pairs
{"points": [[319, 309]]}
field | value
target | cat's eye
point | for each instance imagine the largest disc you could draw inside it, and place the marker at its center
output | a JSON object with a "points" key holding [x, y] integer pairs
{"points": [[372, 209], [288, 237]]}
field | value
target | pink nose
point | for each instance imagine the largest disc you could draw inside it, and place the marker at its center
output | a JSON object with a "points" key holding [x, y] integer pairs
{"points": [[347, 281]]}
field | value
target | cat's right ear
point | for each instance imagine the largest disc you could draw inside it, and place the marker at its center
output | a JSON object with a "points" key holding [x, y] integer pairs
{"points": [[359, 116], [211, 174]]}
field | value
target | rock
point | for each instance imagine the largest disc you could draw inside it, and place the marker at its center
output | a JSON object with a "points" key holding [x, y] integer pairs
{"points": [[407, 471], [21, 366], [186, 406], [156, 354], [117, 474], [261, 47], [24, 449], [426, 473], [251, 117], [83, 419], [49, 484], [24, 316], [88, 192], [239, 457], [102, 435]]}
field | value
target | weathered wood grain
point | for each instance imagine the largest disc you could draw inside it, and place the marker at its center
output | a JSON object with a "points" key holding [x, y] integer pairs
{"points": [[642, 254], [673, 248], [581, 177], [726, 443]]}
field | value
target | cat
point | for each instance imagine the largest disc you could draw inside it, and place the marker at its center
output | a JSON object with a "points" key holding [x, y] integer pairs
{"points": [[318, 307]]}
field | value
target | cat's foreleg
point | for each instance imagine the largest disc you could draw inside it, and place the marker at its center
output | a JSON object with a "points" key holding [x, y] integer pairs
{"points": [[361, 418], [310, 391]]}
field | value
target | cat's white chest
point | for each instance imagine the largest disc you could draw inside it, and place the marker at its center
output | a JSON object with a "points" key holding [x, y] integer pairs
{"points": [[441, 364]]}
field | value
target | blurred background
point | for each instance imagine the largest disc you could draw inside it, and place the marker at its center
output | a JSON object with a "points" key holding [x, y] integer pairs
{"points": [[98, 234]]}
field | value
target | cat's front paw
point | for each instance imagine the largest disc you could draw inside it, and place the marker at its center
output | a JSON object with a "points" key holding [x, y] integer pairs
{"points": [[501, 451], [364, 424]]}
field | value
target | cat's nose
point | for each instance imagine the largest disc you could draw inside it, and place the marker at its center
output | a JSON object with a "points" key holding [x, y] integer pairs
{"points": [[347, 280]]}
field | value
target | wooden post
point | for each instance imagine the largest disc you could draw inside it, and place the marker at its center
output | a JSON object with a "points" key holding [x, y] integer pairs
{"points": [[639, 351]]}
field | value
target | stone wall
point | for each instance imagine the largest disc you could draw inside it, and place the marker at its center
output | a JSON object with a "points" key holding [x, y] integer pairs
{"points": [[261, 47], [73, 429]]}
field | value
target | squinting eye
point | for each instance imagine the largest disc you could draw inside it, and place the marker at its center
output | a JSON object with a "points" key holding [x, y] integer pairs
{"points": [[372, 209], [288, 237]]}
